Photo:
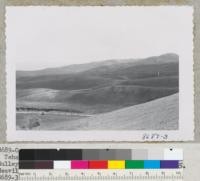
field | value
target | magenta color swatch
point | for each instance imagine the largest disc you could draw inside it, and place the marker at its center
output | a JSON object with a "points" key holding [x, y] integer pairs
{"points": [[79, 164]]}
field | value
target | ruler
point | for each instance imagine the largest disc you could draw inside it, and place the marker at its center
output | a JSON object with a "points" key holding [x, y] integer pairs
{"points": [[61, 175]]}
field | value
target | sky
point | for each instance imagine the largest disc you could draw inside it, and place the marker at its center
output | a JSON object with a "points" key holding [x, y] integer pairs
{"points": [[41, 37]]}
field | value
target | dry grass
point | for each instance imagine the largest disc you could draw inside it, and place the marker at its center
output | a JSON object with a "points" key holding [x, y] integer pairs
{"points": [[160, 114]]}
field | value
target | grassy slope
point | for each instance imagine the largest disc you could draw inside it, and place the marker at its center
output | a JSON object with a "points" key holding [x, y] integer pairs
{"points": [[103, 88], [98, 76], [160, 114], [155, 115], [94, 100]]}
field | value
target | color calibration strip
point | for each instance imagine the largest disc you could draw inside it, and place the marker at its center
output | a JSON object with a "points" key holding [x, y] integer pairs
{"points": [[99, 159], [101, 164]]}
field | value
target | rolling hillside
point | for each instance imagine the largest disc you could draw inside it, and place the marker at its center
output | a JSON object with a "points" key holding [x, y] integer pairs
{"points": [[99, 87], [78, 68], [100, 74], [160, 114]]}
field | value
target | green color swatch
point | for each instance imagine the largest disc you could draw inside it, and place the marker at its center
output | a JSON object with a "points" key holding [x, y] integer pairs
{"points": [[137, 164]]}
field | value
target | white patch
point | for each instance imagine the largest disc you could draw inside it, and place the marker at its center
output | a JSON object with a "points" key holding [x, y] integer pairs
{"points": [[173, 154]]}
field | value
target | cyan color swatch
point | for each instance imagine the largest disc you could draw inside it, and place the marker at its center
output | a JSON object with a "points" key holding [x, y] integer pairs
{"points": [[154, 164]]}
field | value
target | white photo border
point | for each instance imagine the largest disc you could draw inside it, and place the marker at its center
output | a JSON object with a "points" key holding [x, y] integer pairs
{"points": [[186, 110]]}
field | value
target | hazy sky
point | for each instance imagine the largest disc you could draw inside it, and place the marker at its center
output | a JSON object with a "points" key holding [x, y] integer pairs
{"points": [[40, 37]]}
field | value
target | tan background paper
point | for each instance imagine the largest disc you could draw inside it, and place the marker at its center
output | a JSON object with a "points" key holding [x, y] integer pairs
{"points": [[195, 3]]}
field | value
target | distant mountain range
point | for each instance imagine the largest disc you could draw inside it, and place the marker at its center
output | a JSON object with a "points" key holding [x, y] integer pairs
{"points": [[77, 68], [102, 86]]}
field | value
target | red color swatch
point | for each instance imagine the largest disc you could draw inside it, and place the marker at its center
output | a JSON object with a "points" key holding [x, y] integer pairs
{"points": [[98, 164]]}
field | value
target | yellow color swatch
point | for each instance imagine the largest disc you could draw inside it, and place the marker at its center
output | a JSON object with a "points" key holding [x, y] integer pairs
{"points": [[116, 164]]}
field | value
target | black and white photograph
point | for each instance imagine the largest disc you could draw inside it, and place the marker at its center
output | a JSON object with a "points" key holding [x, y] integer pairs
{"points": [[100, 69], [112, 94]]}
